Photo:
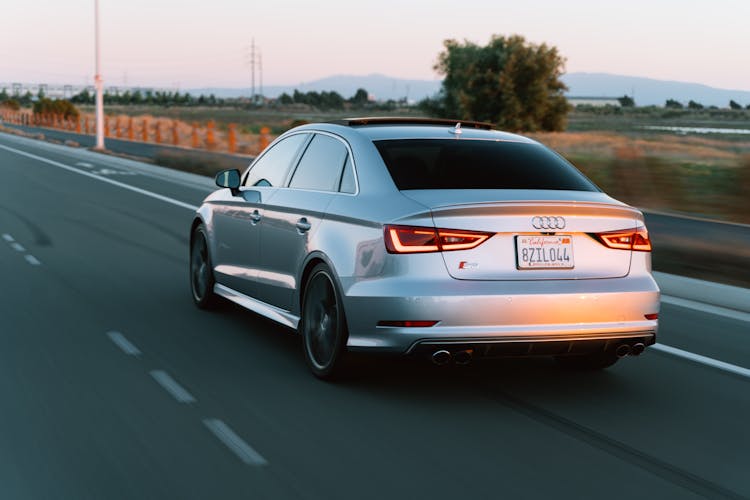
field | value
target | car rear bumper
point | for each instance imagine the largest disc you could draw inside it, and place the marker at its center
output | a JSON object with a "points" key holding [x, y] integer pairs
{"points": [[523, 318]]}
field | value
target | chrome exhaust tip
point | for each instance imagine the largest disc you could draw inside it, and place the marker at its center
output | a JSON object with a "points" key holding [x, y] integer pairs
{"points": [[637, 349], [441, 357], [622, 350], [463, 357]]}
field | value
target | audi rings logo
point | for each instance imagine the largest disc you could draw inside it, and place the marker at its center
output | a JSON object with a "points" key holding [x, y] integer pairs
{"points": [[545, 222]]}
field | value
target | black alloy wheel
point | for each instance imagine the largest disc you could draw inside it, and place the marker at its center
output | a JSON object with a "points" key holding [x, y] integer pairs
{"points": [[323, 324], [201, 274]]}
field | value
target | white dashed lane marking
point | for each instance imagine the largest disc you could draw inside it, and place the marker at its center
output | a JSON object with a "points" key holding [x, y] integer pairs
{"points": [[124, 344], [236, 444], [21, 249], [32, 260], [172, 387], [84, 164]]}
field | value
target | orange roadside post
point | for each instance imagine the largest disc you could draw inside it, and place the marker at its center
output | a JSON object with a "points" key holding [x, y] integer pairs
{"points": [[118, 128], [106, 126], [232, 138], [86, 124], [131, 132], [195, 142], [157, 132], [144, 130], [210, 136], [78, 125], [263, 140], [175, 133]]}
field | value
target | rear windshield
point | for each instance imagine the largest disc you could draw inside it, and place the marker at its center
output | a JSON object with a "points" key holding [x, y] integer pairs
{"points": [[478, 164]]}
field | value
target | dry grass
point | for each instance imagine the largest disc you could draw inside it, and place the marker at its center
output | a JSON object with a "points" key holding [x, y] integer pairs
{"points": [[700, 175]]}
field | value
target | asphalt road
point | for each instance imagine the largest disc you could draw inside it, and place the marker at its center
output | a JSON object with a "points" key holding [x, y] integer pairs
{"points": [[113, 385]]}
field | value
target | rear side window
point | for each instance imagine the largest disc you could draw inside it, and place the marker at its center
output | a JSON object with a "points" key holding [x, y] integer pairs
{"points": [[271, 169], [321, 165], [348, 182], [474, 164]]}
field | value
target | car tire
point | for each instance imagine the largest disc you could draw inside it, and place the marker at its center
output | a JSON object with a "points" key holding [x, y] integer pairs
{"points": [[323, 324], [201, 271], [594, 361]]}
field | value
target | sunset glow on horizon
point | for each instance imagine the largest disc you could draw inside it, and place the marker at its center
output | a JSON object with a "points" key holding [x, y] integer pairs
{"points": [[187, 44]]}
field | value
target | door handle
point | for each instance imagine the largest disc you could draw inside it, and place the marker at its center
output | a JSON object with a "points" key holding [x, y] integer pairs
{"points": [[255, 217], [303, 226]]}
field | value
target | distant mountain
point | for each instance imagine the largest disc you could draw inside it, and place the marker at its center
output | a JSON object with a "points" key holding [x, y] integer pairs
{"points": [[647, 91], [381, 87]]}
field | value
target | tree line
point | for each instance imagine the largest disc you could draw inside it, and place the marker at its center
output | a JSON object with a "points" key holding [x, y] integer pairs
{"points": [[320, 100], [628, 102]]}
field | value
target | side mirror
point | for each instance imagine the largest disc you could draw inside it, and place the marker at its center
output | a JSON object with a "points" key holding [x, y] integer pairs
{"points": [[228, 179]]}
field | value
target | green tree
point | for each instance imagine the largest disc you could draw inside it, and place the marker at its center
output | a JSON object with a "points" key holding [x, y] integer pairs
{"points": [[285, 99], [509, 82], [626, 101], [694, 105], [4, 96], [27, 99], [83, 97], [360, 98], [672, 104], [734, 104]]}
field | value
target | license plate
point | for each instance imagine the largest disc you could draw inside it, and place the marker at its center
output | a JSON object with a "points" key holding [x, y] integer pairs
{"points": [[544, 252]]}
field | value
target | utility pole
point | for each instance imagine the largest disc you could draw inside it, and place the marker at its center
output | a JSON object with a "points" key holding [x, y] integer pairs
{"points": [[260, 71], [98, 83], [252, 71]]}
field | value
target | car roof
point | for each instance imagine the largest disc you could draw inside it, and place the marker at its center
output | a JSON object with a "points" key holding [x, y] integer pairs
{"points": [[390, 128]]}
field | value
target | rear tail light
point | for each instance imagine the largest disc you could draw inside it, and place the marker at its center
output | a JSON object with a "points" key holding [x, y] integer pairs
{"points": [[411, 239], [652, 316], [632, 239]]}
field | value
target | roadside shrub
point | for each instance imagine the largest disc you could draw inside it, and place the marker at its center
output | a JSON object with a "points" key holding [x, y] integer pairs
{"points": [[10, 104], [62, 107]]}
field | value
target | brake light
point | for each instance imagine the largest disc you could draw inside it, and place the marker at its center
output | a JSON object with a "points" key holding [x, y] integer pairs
{"points": [[411, 239], [634, 239]]}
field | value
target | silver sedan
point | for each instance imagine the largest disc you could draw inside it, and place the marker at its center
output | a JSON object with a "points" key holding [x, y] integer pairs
{"points": [[427, 237]]}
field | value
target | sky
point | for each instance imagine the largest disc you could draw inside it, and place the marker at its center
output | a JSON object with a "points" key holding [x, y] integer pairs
{"points": [[202, 43]]}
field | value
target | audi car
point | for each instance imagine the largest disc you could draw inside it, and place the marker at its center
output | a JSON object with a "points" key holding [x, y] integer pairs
{"points": [[420, 237]]}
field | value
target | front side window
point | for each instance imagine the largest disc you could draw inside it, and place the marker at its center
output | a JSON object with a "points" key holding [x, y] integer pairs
{"points": [[272, 168], [321, 165]]}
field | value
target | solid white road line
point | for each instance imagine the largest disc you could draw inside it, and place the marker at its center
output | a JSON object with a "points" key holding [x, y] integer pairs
{"points": [[17, 247], [707, 308], [172, 387], [84, 164], [8, 238], [124, 344], [32, 260], [144, 192], [231, 440], [728, 367]]}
